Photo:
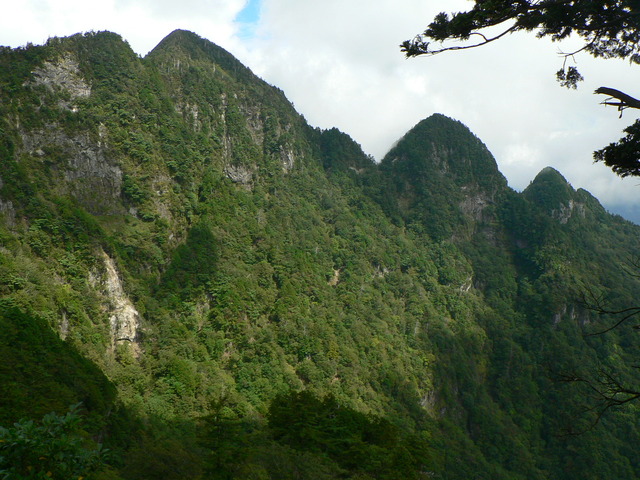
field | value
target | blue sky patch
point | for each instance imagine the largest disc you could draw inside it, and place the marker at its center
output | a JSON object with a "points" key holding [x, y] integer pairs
{"points": [[250, 13]]}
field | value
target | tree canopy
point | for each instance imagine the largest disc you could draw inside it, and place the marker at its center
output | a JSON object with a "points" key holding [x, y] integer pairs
{"points": [[609, 29]]}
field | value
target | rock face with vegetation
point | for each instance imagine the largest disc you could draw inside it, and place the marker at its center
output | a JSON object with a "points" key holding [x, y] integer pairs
{"points": [[231, 293]]}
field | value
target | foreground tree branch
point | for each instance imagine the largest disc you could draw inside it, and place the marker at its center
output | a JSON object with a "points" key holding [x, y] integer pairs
{"points": [[418, 46], [607, 28], [624, 100], [623, 156], [598, 305], [608, 392]]}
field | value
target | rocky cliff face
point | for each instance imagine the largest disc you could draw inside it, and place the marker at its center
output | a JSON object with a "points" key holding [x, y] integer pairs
{"points": [[62, 75], [124, 319], [81, 164]]}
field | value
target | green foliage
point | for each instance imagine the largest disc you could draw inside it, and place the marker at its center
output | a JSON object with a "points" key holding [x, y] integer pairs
{"points": [[40, 372], [340, 152], [569, 78], [152, 458], [54, 447], [430, 187], [623, 157], [549, 190], [603, 26], [194, 263], [356, 441]]}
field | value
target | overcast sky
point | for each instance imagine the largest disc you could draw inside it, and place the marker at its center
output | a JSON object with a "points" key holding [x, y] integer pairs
{"points": [[339, 62]]}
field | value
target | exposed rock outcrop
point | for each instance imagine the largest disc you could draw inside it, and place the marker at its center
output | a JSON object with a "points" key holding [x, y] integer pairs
{"points": [[288, 159], [7, 209], [124, 319], [90, 176], [239, 174], [63, 74], [566, 211]]}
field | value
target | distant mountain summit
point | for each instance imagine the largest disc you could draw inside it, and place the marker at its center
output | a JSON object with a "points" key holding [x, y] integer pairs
{"points": [[549, 189], [557, 198], [441, 148], [181, 45], [443, 175]]}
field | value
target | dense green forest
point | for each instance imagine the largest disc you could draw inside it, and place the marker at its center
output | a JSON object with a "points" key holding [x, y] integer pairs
{"points": [[196, 284]]}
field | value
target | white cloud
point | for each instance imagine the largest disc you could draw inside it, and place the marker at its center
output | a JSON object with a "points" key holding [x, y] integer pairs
{"points": [[143, 23]]}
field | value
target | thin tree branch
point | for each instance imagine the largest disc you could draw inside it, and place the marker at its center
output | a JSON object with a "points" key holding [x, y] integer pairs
{"points": [[625, 101], [609, 392], [630, 312], [460, 47], [572, 54], [596, 303]]}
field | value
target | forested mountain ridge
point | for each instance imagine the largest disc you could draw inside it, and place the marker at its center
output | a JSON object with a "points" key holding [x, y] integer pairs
{"points": [[240, 295]]}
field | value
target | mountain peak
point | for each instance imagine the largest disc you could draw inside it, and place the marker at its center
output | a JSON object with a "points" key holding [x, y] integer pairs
{"points": [[549, 189], [444, 176], [179, 33], [550, 173], [442, 146], [555, 195], [184, 45], [179, 37]]}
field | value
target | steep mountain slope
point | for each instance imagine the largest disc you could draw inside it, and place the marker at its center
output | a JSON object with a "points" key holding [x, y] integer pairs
{"points": [[270, 303], [539, 259]]}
